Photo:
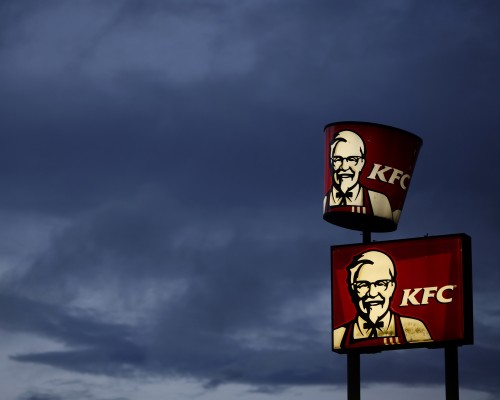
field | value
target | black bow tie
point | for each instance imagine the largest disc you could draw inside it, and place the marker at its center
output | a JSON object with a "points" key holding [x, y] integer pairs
{"points": [[343, 197], [373, 327]]}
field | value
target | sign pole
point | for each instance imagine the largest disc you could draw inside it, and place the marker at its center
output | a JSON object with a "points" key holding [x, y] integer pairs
{"points": [[353, 377], [353, 359], [451, 371]]}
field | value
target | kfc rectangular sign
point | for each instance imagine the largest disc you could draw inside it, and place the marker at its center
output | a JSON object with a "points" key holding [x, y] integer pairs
{"points": [[402, 294]]}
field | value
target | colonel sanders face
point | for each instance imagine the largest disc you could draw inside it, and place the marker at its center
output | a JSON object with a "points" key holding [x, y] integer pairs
{"points": [[373, 283], [347, 159]]}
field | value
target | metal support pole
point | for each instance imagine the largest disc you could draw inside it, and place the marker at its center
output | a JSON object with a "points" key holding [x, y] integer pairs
{"points": [[451, 372], [353, 377], [353, 359], [367, 237]]}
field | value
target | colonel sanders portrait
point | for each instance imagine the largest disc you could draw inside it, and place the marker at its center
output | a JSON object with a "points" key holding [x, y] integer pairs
{"points": [[371, 283], [347, 160]]}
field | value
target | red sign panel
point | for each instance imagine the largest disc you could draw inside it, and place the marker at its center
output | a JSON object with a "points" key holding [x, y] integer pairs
{"points": [[402, 294], [368, 169]]}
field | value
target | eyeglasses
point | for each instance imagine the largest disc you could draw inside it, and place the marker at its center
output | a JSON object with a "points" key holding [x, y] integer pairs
{"points": [[351, 160], [362, 287]]}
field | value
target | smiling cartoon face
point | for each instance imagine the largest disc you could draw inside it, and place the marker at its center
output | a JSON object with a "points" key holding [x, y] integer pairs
{"points": [[346, 160]]}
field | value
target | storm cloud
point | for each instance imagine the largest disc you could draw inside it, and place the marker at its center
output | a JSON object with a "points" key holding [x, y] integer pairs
{"points": [[161, 167]]}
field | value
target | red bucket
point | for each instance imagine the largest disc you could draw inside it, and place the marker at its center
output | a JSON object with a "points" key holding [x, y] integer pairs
{"points": [[368, 169]]}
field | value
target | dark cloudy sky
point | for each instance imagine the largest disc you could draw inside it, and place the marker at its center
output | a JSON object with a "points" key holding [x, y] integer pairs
{"points": [[161, 175]]}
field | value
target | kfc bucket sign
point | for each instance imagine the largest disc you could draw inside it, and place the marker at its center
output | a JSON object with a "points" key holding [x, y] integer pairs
{"points": [[402, 294], [368, 169]]}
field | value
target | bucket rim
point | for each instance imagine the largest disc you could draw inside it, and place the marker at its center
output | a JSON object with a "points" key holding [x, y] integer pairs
{"points": [[375, 124]]}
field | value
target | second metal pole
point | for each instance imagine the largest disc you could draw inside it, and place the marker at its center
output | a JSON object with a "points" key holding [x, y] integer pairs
{"points": [[451, 372]]}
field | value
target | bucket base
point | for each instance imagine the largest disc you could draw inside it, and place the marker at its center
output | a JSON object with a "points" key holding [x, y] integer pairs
{"points": [[365, 223]]}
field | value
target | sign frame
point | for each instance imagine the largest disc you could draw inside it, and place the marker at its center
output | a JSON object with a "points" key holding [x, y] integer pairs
{"points": [[461, 240]]}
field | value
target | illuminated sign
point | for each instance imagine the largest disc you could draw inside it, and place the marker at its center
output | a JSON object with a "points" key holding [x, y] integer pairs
{"points": [[368, 169], [402, 294]]}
